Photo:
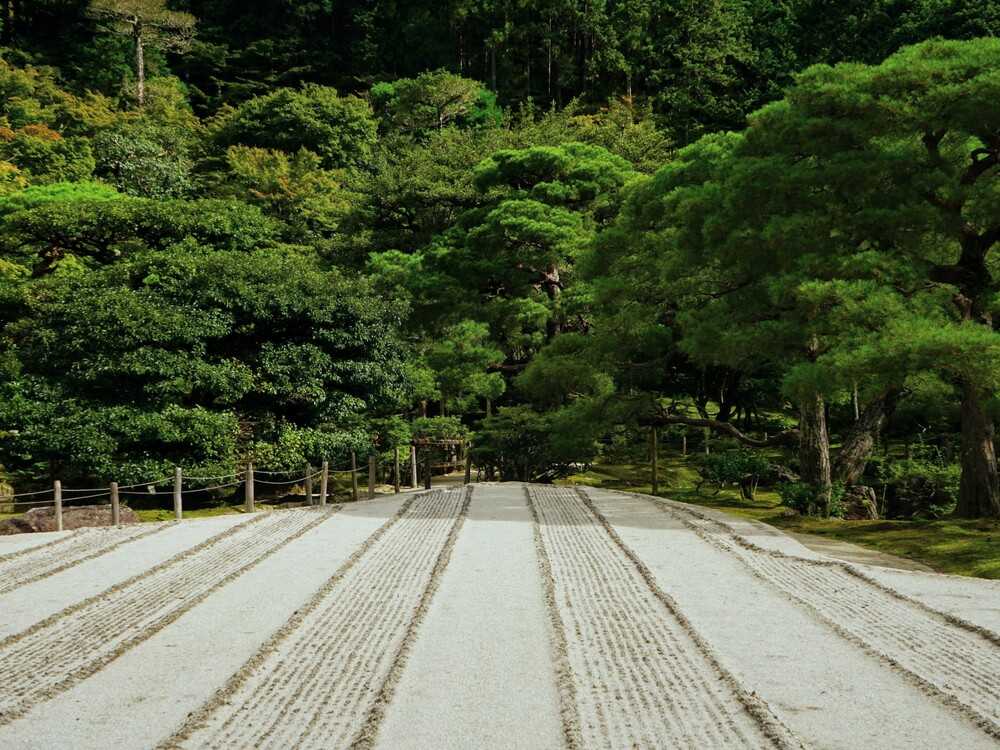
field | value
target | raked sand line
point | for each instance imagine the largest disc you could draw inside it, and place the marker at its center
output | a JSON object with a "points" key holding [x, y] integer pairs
{"points": [[60, 651], [642, 677], [322, 680], [40, 562], [949, 658], [65, 537]]}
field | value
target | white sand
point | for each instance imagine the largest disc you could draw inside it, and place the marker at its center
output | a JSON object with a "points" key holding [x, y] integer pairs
{"points": [[433, 622], [138, 699], [832, 694], [25, 606], [480, 674], [320, 680]]}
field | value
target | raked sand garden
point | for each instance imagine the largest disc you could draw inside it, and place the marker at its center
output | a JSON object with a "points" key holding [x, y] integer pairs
{"points": [[490, 616]]}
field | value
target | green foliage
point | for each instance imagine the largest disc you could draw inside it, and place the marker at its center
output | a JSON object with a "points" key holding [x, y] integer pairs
{"points": [[56, 192], [924, 485], [105, 230], [144, 160], [295, 188], [340, 129], [461, 360], [731, 467], [516, 444], [807, 499], [238, 353], [438, 428], [45, 156], [432, 100]]}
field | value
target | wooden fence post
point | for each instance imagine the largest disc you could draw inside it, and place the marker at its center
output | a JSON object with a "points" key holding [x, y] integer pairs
{"points": [[116, 510], [413, 467], [468, 464], [371, 476], [427, 469], [57, 494], [178, 489], [396, 476], [653, 454], [248, 505], [309, 485], [324, 482], [354, 476]]}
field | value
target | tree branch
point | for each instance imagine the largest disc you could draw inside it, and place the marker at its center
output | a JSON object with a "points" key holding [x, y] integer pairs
{"points": [[785, 437]]}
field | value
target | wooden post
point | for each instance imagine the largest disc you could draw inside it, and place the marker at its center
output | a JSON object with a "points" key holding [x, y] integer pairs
{"points": [[324, 482], [413, 466], [116, 511], [371, 476], [653, 455], [57, 494], [468, 465], [178, 488], [309, 485], [354, 476], [249, 504], [427, 469], [396, 477]]}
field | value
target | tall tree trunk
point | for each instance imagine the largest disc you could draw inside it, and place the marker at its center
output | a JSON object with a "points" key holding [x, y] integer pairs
{"points": [[860, 439], [140, 66], [553, 288], [979, 488], [814, 450]]}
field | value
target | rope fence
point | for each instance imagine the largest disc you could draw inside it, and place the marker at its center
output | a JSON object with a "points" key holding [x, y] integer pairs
{"points": [[249, 478]]}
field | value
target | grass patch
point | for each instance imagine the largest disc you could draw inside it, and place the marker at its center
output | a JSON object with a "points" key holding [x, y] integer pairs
{"points": [[147, 515], [956, 546]]}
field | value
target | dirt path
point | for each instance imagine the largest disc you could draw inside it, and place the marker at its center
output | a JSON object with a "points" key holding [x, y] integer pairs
{"points": [[507, 616]]}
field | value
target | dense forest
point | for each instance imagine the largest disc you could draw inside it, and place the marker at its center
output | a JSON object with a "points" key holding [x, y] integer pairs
{"points": [[282, 230]]}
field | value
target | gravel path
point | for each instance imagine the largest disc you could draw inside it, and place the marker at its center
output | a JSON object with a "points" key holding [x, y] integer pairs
{"points": [[57, 652], [952, 659], [480, 668], [35, 563], [640, 676], [323, 679], [507, 616]]}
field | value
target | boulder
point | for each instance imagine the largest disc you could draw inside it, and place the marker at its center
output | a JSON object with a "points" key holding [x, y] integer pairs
{"points": [[74, 517], [860, 504]]}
